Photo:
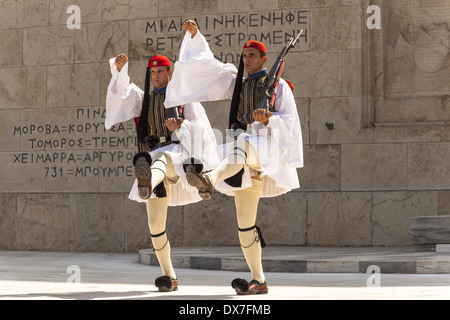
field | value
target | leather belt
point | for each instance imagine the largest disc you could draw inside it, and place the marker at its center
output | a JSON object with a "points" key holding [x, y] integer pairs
{"points": [[155, 142]]}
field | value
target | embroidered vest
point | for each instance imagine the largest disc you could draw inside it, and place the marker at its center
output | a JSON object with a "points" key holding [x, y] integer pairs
{"points": [[251, 94], [157, 115]]}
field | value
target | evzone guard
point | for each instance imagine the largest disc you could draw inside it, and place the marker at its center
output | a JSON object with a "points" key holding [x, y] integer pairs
{"points": [[167, 141], [262, 160]]}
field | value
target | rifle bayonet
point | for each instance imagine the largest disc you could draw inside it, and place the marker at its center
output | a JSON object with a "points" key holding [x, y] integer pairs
{"points": [[296, 39]]}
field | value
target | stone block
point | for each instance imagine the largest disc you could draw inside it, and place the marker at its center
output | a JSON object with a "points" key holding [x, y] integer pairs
{"points": [[97, 222], [303, 111], [218, 114], [116, 171], [137, 235], [322, 170], [155, 36], [79, 175], [88, 124], [83, 81], [292, 266], [332, 30], [182, 262], [412, 110], [8, 222], [275, 27], [43, 222], [11, 48], [435, 267], [392, 134], [48, 45], [76, 152], [147, 256], [393, 267], [175, 219], [315, 74], [352, 77], [226, 33], [415, 50], [339, 219], [215, 218], [15, 82], [444, 202], [374, 167], [98, 42], [316, 3], [226, 6], [10, 120], [332, 266], [206, 263], [20, 173], [337, 121], [411, 57], [187, 7], [45, 129], [91, 11], [22, 14], [430, 230], [283, 219], [231, 264], [391, 214], [428, 166], [130, 10], [443, 248]]}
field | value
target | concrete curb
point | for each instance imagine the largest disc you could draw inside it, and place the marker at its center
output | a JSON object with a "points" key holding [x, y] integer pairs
{"points": [[309, 260]]}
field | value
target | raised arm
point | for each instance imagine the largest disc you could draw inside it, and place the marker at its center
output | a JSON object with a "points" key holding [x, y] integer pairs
{"points": [[120, 61], [123, 99], [191, 27], [197, 75]]}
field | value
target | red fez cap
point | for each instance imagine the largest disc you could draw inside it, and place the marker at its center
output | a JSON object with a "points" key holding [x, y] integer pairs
{"points": [[158, 61], [255, 44]]}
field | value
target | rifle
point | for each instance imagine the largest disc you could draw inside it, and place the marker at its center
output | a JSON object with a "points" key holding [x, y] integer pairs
{"points": [[270, 88], [175, 113]]}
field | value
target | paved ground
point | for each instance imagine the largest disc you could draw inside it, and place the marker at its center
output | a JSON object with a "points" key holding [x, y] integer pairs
{"points": [[44, 275]]}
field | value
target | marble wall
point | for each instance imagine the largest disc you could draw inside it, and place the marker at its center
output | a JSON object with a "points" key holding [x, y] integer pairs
{"points": [[373, 106]]}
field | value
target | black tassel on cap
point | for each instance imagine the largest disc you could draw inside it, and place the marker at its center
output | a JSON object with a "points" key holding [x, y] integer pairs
{"points": [[236, 94], [143, 121]]}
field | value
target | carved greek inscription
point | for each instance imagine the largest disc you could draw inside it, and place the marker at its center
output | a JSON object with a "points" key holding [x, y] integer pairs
{"points": [[80, 149], [227, 33]]}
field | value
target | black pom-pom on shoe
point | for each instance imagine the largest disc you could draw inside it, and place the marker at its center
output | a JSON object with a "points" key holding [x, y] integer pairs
{"points": [[166, 284]]}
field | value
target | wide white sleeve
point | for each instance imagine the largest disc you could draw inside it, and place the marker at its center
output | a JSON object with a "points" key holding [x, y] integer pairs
{"points": [[198, 76], [123, 99], [285, 127], [197, 137]]}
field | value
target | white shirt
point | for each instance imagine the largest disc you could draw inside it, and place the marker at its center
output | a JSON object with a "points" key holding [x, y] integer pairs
{"points": [[124, 102], [198, 76]]}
